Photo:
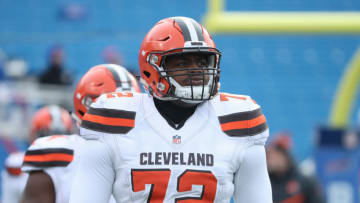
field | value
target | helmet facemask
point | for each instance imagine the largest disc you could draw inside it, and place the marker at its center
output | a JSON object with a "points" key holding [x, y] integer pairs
{"points": [[180, 79]]}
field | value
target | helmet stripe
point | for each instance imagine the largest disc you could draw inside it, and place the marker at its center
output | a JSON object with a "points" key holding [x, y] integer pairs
{"points": [[184, 28], [56, 122], [198, 30], [115, 76], [124, 78], [190, 29], [121, 77], [190, 26]]}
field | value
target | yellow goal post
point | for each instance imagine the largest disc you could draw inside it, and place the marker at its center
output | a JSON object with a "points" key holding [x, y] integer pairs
{"points": [[218, 20]]}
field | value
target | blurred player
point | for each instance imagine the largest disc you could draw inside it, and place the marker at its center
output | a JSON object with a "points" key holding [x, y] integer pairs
{"points": [[47, 120], [288, 183], [51, 161], [185, 142], [50, 120]]}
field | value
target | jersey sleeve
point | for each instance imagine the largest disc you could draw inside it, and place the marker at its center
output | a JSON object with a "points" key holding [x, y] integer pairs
{"points": [[13, 163], [95, 174], [112, 113], [240, 116], [251, 181], [13, 180], [48, 152]]}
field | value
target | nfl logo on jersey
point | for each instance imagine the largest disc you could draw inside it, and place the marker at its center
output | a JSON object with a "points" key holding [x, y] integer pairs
{"points": [[176, 139]]}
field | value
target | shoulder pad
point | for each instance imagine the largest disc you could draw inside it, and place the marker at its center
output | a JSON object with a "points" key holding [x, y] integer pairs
{"points": [[112, 113], [50, 151], [239, 115]]}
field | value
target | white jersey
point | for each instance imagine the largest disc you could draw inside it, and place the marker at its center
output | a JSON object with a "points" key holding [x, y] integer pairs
{"points": [[13, 180], [133, 153], [57, 156]]}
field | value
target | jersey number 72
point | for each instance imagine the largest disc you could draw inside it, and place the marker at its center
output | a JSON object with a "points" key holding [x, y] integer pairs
{"points": [[159, 179]]}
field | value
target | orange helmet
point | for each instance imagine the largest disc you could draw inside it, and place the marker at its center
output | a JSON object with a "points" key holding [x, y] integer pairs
{"points": [[281, 140], [171, 36], [101, 79], [50, 120]]}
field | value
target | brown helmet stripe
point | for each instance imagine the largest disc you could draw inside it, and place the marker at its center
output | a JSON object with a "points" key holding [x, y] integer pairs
{"points": [[115, 76], [184, 28], [198, 30]]}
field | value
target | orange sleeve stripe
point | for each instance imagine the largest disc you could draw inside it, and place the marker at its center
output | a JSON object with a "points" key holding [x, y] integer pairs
{"points": [[13, 171], [49, 157], [243, 124], [110, 121]]}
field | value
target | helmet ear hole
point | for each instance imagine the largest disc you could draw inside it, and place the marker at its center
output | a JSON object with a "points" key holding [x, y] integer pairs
{"points": [[99, 84], [147, 74], [165, 39], [81, 113]]}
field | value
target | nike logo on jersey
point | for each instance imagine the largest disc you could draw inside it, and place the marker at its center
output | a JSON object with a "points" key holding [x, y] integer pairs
{"points": [[176, 158]]}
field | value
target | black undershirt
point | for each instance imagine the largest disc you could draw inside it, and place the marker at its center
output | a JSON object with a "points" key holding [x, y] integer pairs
{"points": [[174, 114]]}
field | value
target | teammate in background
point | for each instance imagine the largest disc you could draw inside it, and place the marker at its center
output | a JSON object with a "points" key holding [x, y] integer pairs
{"points": [[50, 120], [51, 161], [185, 142], [47, 120], [288, 184]]}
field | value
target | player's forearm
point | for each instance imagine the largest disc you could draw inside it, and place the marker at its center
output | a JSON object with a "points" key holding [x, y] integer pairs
{"points": [[41, 197], [28, 199], [39, 189]]}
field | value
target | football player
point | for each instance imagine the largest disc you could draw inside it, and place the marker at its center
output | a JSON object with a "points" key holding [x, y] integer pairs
{"points": [[47, 120], [51, 161], [186, 142]]}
